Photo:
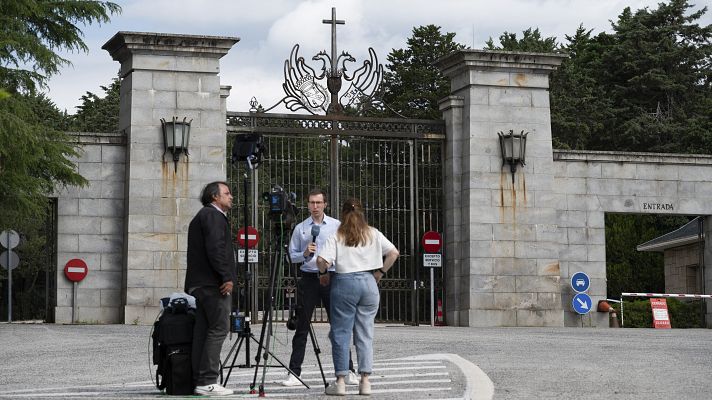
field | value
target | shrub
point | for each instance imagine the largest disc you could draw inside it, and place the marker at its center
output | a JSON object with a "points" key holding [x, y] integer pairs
{"points": [[683, 314]]}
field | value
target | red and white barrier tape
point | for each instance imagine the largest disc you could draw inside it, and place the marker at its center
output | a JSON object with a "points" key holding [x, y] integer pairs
{"points": [[697, 296]]}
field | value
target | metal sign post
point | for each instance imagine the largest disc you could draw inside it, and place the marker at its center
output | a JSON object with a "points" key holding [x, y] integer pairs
{"points": [[75, 270], [432, 243], [9, 239]]}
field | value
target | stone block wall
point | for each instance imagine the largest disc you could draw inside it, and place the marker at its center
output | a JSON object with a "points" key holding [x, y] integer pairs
{"points": [[90, 227], [589, 184]]}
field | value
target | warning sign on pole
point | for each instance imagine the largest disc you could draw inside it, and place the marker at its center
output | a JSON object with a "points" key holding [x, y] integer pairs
{"points": [[432, 242], [432, 260], [661, 318], [251, 237]]}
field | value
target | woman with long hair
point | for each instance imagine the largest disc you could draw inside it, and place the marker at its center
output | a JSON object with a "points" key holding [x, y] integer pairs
{"points": [[362, 256]]}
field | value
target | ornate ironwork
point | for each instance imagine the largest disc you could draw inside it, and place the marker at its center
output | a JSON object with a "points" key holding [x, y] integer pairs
{"points": [[241, 122], [318, 93]]}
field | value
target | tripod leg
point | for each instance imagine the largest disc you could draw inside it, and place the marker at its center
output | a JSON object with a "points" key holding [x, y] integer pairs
{"points": [[285, 366], [317, 352], [237, 344]]}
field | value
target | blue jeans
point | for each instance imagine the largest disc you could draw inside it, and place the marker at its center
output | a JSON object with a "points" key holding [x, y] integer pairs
{"points": [[354, 304]]}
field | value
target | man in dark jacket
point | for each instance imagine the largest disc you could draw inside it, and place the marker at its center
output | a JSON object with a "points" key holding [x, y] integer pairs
{"points": [[210, 278]]}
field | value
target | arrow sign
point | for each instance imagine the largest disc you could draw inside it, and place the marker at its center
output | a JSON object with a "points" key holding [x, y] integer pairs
{"points": [[581, 303]]}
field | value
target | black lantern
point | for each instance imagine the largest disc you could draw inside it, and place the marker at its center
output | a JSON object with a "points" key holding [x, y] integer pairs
{"points": [[176, 135], [513, 146]]}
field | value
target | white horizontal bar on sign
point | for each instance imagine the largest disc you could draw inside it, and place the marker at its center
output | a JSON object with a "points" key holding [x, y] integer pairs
{"points": [[432, 241], [693, 296], [76, 269], [253, 237]]}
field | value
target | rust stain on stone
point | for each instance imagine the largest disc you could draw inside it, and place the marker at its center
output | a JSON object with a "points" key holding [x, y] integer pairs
{"points": [[552, 269], [166, 177], [502, 182], [520, 79]]}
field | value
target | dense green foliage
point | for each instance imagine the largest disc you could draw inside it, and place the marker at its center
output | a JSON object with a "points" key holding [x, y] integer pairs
{"points": [[627, 269], [646, 86], [98, 114], [35, 152], [31, 31], [530, 42], [412, 85], [683, 314]]}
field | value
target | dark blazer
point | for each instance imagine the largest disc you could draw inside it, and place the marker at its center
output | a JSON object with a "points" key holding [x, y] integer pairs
{"points": [[211, 258]]}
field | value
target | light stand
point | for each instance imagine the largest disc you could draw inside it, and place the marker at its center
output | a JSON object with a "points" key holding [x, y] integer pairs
{"points": [[248, 148]]}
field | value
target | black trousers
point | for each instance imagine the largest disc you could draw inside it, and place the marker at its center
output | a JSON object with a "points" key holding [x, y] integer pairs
{"points": [[212, 322], [309, 295]]}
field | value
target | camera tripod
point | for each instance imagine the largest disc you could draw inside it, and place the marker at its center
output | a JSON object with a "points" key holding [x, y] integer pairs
{"points": [[281, 256]]}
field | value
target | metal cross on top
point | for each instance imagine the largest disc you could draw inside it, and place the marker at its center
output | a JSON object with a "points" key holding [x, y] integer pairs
{"points": [[333, 22], [303, 85]]}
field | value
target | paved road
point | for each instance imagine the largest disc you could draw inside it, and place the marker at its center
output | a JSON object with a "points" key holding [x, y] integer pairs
{"points": [[70, 361]]}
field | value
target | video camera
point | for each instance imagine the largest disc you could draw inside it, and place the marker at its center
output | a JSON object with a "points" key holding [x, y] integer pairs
{"points": [[250, 148], [281, 205]]}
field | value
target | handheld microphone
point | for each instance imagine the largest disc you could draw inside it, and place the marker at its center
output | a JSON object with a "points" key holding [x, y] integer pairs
{"points": [[315, 232]]}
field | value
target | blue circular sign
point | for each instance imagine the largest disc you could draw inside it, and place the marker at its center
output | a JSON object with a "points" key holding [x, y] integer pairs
{"points": [[580, 282], [582, 303]]}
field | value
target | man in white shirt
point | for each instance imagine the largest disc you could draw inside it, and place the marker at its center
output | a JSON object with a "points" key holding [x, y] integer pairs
{"points": [[312, 287]]}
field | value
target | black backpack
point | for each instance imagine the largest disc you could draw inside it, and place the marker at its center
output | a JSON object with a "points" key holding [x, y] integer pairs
{"points": [[172, 343]]}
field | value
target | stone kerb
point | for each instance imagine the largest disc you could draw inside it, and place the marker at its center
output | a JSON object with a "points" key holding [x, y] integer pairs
{"points": [[508, 260], [165, 76]]}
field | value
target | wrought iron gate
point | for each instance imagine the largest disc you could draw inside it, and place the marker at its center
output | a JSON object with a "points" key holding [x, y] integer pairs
{"points": [[394, 166]]}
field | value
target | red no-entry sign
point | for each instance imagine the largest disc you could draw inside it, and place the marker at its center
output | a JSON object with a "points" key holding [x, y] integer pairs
{"points": [[432, 242], [252, 237], [75, 270]]}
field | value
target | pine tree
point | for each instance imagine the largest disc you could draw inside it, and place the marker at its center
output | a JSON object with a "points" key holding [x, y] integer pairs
{"points": [[34, 151], [412, 85]]}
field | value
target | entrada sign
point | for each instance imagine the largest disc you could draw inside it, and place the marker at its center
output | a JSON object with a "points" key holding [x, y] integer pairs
{"points": [[659, 206]]}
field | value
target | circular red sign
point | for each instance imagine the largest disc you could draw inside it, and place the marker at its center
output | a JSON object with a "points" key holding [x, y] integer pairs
{"points": [[252, 237], [75, 270], [432, 242]]}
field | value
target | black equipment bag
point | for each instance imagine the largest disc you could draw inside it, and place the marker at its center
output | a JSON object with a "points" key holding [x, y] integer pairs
{"points": [[172, 343]]}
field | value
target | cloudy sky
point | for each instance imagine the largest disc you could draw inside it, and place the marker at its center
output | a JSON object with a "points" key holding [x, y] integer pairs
{"points": [[268, 29]]}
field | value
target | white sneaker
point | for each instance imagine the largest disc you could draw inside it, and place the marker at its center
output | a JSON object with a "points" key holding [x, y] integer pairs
{"points": [[352, 379], [212, 390], [291, 381]]}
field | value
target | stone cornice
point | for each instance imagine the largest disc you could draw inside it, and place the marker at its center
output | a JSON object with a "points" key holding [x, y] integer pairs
{"points": [[454, 63], [113, 138], [626, 157], [124, 43]]}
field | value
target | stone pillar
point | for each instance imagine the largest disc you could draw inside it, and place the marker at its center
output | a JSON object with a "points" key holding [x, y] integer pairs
{"points": [[456, 296], [165, 75], [508, 258], [707, 270]]}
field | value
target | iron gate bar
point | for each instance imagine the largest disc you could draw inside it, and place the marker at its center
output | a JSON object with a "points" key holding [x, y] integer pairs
{"points": [[378, 154]]}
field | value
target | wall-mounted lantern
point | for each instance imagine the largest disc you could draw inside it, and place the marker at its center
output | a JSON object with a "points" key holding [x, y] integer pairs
{"points": [[176, 135], [513, 146]]}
